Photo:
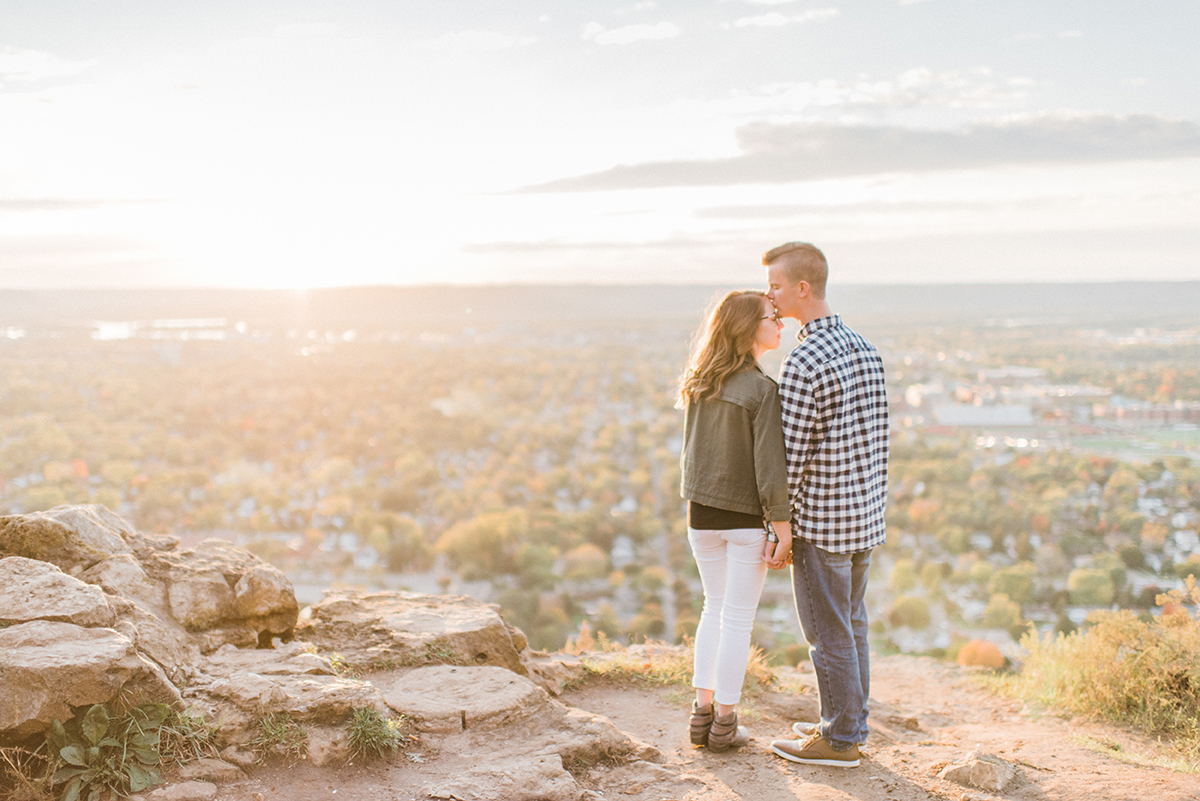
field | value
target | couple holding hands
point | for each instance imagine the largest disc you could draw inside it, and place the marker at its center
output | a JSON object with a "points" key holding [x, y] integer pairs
{"points": [[807, 456]]}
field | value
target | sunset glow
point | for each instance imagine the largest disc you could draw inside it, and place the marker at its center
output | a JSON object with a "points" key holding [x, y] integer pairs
{"points": [[257, 145]]}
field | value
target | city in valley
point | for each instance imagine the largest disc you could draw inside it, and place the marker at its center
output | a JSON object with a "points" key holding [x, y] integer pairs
{"points": [[521, 445]]}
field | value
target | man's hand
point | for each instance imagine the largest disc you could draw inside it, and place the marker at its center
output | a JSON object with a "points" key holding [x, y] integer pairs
{"points": [[778, 555]]}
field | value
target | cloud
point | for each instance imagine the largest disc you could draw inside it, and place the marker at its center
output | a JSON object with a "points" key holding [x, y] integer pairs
{"points": [[478, 41], [630, 33], [775, 19], [792, 152], [911, 2], [33, 65]]}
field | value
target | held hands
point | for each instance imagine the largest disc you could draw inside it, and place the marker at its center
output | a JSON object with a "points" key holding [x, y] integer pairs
{"points": [[778, 555]]}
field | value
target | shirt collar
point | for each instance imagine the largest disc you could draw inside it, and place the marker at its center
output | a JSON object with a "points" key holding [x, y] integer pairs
{"points": [[812, 326]]}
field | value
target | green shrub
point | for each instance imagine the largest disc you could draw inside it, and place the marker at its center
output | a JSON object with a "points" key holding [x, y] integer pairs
{"points": [[1090, 587], [1002, 612], [910, 611]]}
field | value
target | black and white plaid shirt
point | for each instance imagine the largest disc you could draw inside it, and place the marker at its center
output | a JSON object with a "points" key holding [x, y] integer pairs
{"points": [[835, 429]]}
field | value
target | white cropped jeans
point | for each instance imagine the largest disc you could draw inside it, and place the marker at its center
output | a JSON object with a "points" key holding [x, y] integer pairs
{"points": [[732, 571]]}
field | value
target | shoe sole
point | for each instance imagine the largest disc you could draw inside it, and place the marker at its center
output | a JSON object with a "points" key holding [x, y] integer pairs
{"points": [[832, 763]]}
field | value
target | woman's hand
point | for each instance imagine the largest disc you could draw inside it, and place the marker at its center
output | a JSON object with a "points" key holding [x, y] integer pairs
{"points": [[778, 555]]}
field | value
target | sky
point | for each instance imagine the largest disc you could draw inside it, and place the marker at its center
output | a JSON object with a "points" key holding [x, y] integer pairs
{"points": [[309, 143]]}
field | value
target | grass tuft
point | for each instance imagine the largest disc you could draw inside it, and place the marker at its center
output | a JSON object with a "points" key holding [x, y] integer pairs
{"points": [[184, 737], [374, 736], [280, 737]]}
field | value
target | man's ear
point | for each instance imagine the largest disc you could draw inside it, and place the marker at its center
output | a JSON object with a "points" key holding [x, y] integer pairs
{"points": [[804, 288]]}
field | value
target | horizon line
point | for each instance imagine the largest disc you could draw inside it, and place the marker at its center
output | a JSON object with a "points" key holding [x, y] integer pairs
{"points": [[582, 285]]}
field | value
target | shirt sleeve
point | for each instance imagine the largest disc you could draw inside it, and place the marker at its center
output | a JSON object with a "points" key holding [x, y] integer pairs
{"points": [[770, 466], [798, 413]]}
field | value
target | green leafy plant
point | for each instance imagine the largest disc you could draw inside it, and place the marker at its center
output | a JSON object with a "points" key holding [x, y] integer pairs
{"points": [[108, 755], [280, 737], [372, 735]]}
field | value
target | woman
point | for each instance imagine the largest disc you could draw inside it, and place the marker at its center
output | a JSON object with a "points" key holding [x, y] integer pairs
{"points": [[734, 479]]}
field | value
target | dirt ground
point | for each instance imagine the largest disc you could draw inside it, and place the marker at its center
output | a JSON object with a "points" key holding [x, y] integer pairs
{"points": [[924, 714]]}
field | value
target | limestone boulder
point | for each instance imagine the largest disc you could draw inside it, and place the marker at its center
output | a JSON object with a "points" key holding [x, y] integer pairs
{"points": [[224, 593], [36, 590], [392, 629], [72, 537], [47, 667], [199, 599]]}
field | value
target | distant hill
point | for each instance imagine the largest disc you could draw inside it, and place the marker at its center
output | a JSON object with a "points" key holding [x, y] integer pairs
{"points": [[1127, 303]]}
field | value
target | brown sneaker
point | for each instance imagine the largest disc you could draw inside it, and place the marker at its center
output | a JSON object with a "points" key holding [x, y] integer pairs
{"points": [[816, 751], [725, 733], [700, 723]]}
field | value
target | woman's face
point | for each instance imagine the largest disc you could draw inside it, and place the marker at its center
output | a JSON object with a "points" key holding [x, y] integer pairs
{"points": [[769, 328]]}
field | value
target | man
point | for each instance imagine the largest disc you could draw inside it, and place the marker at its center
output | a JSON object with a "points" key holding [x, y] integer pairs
{"points": [[835, 426]]}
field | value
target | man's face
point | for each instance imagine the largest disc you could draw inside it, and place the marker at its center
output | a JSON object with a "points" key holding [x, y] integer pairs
{"points": [[782, 292]]}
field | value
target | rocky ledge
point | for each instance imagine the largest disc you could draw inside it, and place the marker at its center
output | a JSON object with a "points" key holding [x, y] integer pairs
{"points": [[92, 610]]}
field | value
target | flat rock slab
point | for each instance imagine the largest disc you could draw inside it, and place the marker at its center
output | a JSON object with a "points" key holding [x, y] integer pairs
{"points": [[237, 702], [531, 778], [444, 699]]}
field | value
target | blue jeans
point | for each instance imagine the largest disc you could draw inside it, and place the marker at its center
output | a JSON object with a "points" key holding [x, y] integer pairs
{"points": [[830, 590]]}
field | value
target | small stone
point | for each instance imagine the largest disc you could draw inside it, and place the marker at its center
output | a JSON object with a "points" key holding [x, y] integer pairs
{"points": [[982, 771]]}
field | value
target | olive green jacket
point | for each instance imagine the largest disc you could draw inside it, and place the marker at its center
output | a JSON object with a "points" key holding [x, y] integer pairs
{"points": [[733, 455]]}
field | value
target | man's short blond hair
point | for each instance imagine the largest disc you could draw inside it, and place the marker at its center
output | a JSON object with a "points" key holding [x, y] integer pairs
{"points": [[801, 262]]}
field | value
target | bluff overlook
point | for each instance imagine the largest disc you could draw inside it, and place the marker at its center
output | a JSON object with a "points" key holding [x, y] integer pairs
{"points": [[94, 612]]}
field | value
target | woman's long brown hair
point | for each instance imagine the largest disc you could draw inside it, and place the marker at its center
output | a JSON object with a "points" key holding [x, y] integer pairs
{"points": [[724, 345]]}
